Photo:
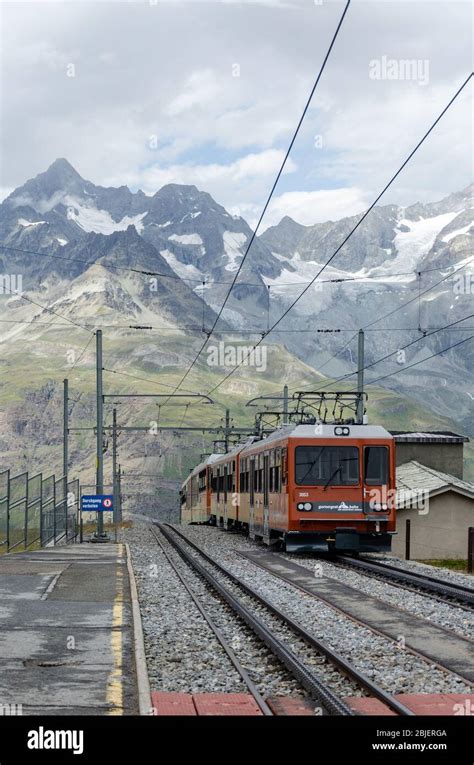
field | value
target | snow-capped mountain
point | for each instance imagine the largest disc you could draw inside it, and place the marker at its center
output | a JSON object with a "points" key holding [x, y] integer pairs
{"points": [[198, 239], [183, 234]]}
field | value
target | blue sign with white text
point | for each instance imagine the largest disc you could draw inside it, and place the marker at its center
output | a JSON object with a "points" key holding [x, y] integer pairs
{"points": [[91, 503]]}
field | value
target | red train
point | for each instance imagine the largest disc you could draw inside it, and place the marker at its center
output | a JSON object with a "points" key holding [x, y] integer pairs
{"points": [[308, 487]]}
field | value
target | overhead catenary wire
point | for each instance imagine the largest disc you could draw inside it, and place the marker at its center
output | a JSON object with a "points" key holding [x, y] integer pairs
{"points": [[352, 231], [390, 313], [421, 361], [142, 379], [397, 350], [385, 278], [270, 196], [82, 353], [236, 331], [45, 308]]}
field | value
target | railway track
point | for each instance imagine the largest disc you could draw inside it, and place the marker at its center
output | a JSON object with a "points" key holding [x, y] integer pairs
{"points": [[324, 695], [411, 580], [448, 651], [246, 679]]}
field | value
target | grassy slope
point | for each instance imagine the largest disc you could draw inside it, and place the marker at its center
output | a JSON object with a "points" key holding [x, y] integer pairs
{"points": [[33, 362]]}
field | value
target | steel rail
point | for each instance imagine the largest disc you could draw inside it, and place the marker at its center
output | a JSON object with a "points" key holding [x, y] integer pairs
{"points": [[324, 695], [332, 655], [416, 579], [265, 709]]}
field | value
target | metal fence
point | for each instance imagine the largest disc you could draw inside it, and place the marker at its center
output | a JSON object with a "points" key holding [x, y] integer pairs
{"points": [[36, 511]]}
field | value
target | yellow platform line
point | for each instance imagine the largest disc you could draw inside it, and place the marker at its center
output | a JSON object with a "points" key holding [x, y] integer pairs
{"points": [[114, 695]]}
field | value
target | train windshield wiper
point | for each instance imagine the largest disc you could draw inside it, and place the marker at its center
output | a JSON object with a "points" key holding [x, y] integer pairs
{"points": [[333, 475], [311, 466]]}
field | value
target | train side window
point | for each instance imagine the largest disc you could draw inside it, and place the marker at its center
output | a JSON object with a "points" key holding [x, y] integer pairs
{"points": [[202, 481], [376, 465], [252, 478], [276, 479], [284, 466]]}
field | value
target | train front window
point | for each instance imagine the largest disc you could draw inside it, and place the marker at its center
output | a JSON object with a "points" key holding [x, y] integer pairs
{"points": [[376, 465], [321, 465]]}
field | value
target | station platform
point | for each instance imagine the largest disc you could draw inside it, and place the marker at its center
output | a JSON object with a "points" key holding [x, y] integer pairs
{"points": [[67, 632]]}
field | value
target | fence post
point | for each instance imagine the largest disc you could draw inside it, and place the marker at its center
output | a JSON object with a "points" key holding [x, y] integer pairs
{"points": [[27, 499], [470, 548], [54, 510], [8, 512], [407, 538]]}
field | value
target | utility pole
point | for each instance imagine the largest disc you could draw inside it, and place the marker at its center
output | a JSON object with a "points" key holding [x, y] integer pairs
{"points": [[65, 428], [285, 405], [360, 378], [99, 484], [114, 468], [119, 493], [227, 430], [65, 447]]}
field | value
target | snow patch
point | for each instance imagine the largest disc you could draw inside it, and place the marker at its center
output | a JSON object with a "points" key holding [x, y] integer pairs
{"points": [[186, 238], [61, 241], [90, 218], [183, 270], [29, 223], [412, 245], [232, 242], [459, 232]]}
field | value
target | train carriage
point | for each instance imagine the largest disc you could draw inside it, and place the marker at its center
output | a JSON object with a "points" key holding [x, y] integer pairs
{"points": [[195, 494], [309, 487]]}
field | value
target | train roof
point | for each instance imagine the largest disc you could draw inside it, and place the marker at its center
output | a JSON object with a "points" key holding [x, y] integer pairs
{"points": [[212, 458], [325, 431], [236, 450]]}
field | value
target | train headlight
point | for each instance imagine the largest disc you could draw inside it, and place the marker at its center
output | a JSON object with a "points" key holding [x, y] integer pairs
{"points": [[304, 506]]}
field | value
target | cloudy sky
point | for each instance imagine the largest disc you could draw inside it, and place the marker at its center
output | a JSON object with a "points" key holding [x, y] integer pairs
{"points": [[148, 92]]}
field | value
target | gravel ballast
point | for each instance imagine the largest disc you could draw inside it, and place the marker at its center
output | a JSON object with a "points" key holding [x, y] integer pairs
{"points": [[394, 669], [182, 652]]}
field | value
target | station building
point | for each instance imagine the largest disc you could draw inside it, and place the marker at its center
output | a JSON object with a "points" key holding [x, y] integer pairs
{"points": [[433, 495]]}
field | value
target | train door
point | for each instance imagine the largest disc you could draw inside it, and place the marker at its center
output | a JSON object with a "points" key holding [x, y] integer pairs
{"points": [[252, 499], [266, 512], [376, 482], [218, 497], [226, 471]]}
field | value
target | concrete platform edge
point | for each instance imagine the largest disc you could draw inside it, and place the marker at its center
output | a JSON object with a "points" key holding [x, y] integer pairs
{"points": [[144, 693]]}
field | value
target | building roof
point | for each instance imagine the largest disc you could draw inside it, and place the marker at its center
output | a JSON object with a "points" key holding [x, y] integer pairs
{"points": [[415, 481], [428, 437]]}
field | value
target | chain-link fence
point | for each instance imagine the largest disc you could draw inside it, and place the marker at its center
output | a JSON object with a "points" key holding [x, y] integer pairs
{"points": [[37, 511]]}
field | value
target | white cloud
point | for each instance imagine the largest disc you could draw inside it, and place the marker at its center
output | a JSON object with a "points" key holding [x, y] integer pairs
{"points": [[167, 71], [210, 177], [307, 207], [200, 88]]}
